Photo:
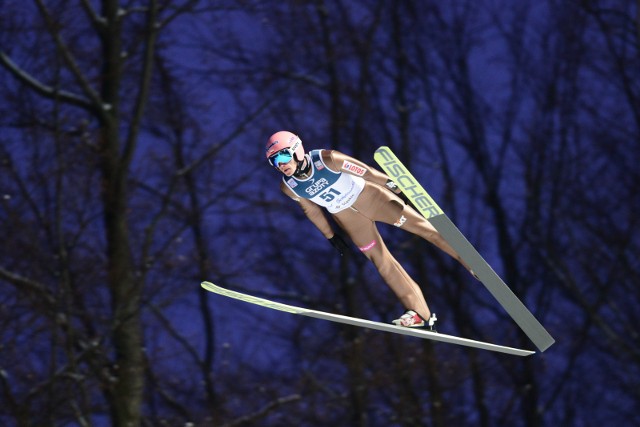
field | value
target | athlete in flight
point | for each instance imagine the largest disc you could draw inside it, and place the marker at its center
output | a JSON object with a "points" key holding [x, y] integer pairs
{"points": [[357, 196]]}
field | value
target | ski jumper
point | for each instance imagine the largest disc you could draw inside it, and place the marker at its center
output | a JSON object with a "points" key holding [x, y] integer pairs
{"points": [[357, 197]]}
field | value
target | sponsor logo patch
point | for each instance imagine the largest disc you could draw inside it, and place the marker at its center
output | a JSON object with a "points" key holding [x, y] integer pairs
{"points": [[368, 247], [318, 164], [292, 183], [270, 147], [316, 186], [401, 221], [353, 168]]}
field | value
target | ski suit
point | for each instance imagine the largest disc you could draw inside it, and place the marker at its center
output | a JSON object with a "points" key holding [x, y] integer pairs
{"points": [[357, 196]]}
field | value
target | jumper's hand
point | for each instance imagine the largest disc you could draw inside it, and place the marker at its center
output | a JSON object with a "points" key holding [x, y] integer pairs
{"points": [[396, 190], [392, 186], [338, 243]]}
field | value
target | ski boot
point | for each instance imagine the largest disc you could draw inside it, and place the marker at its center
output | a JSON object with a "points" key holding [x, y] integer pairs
{"points": [[411, 319]]}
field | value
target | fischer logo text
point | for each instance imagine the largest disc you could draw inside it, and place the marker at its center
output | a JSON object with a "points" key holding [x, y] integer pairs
{"points": [[407, 183]]}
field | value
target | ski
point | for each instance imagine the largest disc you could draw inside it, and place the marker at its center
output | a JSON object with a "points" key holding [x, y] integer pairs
{"points": [[418, 333], [422, 201]]}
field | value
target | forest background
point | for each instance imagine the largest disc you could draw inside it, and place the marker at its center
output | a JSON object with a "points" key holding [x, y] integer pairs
{"points": [[132, 168]]}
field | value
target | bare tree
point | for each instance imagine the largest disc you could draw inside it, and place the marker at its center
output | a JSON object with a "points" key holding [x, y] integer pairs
{"points": [[86, 90], [131, 168]]}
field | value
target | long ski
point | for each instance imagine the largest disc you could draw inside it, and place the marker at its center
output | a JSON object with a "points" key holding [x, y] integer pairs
{"points": [[423, 202], [362, 322]]}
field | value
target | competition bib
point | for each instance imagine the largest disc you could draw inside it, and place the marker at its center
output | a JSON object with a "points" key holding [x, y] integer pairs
{"points": [[335, 191]]}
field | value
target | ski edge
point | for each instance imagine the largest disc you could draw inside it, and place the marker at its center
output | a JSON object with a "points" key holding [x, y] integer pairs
{"points": [[370, 324]]}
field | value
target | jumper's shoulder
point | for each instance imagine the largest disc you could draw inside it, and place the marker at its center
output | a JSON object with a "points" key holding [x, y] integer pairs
{"points": [[341, 162], [328, 159]]}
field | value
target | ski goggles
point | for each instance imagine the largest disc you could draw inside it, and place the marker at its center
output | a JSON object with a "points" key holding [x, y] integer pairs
{"points": [[283, 156]]}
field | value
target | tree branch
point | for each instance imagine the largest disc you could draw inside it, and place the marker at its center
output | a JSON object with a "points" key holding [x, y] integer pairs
{"points": [[98, 22], [145, 81], [41, 88], [24, 284], [252, 418], [70, 61]]}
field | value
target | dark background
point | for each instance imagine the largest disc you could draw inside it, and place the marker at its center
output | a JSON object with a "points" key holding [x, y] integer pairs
{"points": [[132, 168]]}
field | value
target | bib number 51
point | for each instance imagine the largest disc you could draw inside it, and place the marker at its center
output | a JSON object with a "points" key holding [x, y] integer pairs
{"points": [[328, 196]]}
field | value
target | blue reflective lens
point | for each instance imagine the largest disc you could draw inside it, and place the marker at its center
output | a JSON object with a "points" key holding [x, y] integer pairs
{"points": [[280, 157]]}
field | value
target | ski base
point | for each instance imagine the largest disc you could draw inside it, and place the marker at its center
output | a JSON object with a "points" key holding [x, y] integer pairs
{"points": [[370, 324]]}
